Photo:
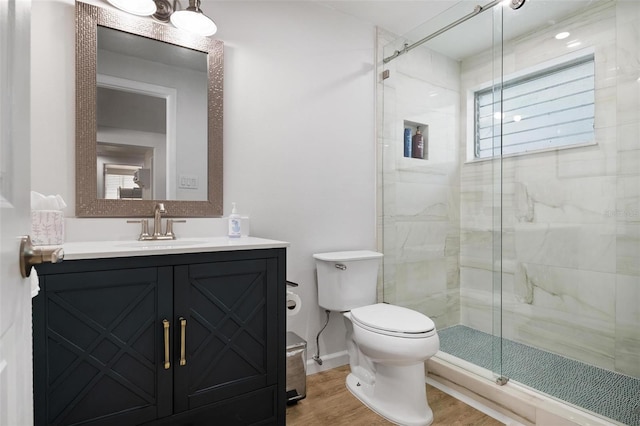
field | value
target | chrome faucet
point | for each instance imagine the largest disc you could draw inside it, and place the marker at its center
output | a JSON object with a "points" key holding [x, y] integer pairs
{"points": [[158, 211]]}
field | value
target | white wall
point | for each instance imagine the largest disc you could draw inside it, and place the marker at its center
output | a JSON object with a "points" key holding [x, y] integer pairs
{"points": [[299, 147], [53, 99], [299, 136]]}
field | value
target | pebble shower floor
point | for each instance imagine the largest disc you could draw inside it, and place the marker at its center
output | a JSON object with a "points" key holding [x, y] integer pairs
{"points": [[600, 391]]}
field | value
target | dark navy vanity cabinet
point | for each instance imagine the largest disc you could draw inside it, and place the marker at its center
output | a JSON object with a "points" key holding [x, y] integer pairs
{"points": [[177, 339]]}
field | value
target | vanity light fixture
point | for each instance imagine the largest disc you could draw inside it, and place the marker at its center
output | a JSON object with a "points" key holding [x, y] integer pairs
{"points": [[191, 19], [135, 7]]}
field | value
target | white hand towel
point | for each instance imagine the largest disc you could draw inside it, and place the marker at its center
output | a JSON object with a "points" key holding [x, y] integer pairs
{"points": [[35, 283]]}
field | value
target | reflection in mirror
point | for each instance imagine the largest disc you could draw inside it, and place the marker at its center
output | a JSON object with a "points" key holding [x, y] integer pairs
{"points": [[135, 145], [155, 93], [148, 117]]}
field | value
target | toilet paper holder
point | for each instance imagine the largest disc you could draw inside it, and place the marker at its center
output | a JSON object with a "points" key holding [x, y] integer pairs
{"points": [[293, 301]]}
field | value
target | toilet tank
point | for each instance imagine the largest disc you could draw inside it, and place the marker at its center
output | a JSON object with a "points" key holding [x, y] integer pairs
{"points": [[347, 279]]}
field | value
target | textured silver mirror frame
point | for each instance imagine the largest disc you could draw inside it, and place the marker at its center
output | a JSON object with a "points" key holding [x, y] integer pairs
{"points": [[88, 17]]}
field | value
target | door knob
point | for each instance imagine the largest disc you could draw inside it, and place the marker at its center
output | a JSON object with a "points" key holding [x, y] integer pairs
{"points": [[30, 256]]}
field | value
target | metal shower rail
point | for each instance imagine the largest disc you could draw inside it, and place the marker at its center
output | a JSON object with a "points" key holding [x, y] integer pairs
{"points": [[478, 10]]}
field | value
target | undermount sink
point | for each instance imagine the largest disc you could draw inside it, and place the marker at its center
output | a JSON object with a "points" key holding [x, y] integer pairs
{"points": [[155, 244]]}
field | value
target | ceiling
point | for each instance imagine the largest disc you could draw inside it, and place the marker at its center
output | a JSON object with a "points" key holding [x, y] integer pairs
{"points": [[415, 19], [397, 16], [418, 18]]}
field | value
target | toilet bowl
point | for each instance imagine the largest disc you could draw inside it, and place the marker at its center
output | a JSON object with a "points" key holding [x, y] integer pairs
{"points": [[387, 344], [395, 342]]}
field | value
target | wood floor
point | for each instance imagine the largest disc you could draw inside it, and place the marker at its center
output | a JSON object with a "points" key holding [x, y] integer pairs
{"points": [[329, 403]]}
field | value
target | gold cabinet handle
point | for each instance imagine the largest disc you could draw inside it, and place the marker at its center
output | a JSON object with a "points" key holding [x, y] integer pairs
{"points": [[165, 325], [183, 332]]}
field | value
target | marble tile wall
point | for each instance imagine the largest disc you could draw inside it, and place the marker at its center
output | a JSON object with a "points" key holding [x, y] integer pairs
{"points": [[419, 208], [570, 218]]}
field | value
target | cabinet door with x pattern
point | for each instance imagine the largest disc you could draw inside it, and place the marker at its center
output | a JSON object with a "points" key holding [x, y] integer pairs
{"points": [[230, 335], [99, 347]]}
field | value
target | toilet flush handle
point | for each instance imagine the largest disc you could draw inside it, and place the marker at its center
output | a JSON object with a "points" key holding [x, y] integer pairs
{"points": [[341, 266]]}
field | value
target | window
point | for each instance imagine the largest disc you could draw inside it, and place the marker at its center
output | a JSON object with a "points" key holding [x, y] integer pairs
{"points": [[551, 108]]}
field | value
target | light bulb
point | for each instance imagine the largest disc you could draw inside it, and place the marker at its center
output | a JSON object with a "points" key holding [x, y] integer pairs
{"points": [[194, 21], [135, 7]]}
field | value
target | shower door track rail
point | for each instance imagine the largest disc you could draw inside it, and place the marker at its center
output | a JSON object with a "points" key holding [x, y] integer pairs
{"points": [[407, 47]]}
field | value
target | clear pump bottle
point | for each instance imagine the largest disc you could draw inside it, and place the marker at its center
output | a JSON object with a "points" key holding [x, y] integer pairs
{"points": [[234, 223]]}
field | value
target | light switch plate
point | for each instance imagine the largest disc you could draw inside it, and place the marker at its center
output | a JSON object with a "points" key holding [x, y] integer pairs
{"points": [[188, 182]]}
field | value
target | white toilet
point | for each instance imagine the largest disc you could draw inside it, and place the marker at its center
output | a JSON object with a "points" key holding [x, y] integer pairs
{"points": [[387, 344]]}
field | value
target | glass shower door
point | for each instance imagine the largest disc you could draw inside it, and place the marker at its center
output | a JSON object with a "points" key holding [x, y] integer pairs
{"points": [[439, 232], [516, 226], [568, 184]]}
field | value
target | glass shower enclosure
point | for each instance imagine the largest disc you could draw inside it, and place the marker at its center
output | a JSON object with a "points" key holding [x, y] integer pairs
{"points": [[516, 228]]}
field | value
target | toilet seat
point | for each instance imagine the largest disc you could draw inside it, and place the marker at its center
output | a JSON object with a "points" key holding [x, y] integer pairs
{"points": [[392, 320]]}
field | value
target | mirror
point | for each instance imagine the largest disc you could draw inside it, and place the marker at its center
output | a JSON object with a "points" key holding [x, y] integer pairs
{"points": [[148, 117]]}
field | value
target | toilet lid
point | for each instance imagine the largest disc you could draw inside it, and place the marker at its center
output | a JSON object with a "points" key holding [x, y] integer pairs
{"points": [[345, 256], [394, 320]]}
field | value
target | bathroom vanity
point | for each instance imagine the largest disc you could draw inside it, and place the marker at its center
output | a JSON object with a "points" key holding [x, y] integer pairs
{"points": [[185, 332]]}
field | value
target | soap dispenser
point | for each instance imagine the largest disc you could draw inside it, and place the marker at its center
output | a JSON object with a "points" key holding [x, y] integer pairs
{"points": [[234, 223]]}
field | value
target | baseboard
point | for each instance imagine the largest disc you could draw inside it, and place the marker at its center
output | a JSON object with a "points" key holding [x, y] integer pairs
{"points": [[329, 361]]}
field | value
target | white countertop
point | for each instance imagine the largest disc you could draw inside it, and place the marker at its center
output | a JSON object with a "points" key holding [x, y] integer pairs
{"points": [[110, 249]]}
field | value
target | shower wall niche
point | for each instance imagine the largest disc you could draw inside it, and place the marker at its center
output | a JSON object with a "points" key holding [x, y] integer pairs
{"points": [[416, 140]]}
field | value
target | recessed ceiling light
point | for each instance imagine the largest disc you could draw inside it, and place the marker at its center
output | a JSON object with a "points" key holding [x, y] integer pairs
{"points": [[574, 43], [562, 35]]}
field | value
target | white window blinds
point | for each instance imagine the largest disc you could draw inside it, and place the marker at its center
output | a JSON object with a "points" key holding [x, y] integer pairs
{"points": [[549, 109]]}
